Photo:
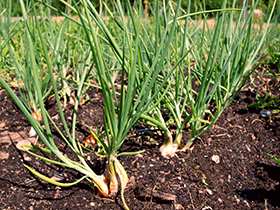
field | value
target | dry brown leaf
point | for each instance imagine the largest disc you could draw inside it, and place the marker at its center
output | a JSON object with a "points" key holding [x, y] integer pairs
{"points": [[4, 155], [2, 125], [20, 145]]}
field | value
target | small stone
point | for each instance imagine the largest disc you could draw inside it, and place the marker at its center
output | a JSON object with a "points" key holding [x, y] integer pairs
{"points": [[220, 200], [237, 199], [247, 204], [229, 178], [216, 158], [178, 206], [209, 191], [248, 148], [252, 137], [200, 192], [265, 113], [92, 204], [207, 208], [28, 159]]}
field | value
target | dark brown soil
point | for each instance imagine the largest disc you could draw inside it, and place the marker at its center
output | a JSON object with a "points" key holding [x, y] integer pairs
{"points": [[245, 178]]}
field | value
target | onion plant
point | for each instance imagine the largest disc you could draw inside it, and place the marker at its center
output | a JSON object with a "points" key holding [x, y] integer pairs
{"points": [[67, 50], [26, 87], [10, 31], [121, 109], [152, 39], [25, 69], [173, 98], [72, 56], [223, 60], [231, 53], [120, 114]]}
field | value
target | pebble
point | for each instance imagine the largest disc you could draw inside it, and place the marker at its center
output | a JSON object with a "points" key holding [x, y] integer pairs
{"points": [[247, 204], [209, 191], [220, 200], [207, 208], [178, 206], [216, 158], [237, 199], [265, 113], [248, 148], [229, 178], [27, 159]]}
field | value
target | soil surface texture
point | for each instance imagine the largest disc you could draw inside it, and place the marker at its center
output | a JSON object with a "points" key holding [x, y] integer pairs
{"points": [[227, 168]]}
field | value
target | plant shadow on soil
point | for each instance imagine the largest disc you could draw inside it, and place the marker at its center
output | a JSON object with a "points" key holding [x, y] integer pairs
{"points": [[265, 172], [245, 178]]}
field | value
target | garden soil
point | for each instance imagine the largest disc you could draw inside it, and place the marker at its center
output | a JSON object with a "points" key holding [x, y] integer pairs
{"points": [[228, 167]]}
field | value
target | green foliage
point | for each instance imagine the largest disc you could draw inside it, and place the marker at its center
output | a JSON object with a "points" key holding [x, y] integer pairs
{"points": [[274, 158], [196, 5], [18, 11], [274, 52], [56, 4], [266, 102], [275, 56], [263, 5]]}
